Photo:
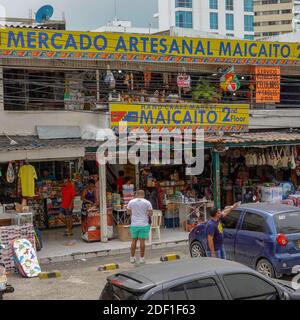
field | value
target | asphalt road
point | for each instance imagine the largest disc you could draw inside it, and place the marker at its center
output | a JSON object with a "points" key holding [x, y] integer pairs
{"points": [[80, 280]]}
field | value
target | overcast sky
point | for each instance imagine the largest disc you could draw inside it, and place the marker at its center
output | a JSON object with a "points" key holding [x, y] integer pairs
{"points": [[88, 14]]}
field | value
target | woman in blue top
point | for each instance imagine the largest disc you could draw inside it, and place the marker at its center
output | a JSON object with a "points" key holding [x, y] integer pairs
{"points": [[88, 198]]}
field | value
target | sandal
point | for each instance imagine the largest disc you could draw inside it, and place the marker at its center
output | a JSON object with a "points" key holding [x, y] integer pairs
{"points": [[67, 234]]}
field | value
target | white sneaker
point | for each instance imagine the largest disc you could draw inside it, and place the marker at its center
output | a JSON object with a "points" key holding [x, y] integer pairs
{"points": [[142, 260], [132, 259]]}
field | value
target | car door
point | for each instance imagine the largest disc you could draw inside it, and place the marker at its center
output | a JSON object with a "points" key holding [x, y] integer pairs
{"points": [[251, 238], [246, 286], [230, 224]]}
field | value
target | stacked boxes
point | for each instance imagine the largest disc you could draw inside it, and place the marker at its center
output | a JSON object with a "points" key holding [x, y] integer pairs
{"points": [[128, 194], [116, 201], [109, 199], [7, 235]]}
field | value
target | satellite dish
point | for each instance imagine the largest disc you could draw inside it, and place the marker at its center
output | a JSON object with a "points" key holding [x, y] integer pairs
{"points": [[44, 14]]}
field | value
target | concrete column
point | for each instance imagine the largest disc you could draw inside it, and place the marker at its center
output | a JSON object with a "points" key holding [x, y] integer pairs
{"points": [[217, 179], [103, 209], [1, 90]]}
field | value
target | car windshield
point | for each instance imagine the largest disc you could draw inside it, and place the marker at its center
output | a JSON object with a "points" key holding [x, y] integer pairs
{"points": [[288, 222]]}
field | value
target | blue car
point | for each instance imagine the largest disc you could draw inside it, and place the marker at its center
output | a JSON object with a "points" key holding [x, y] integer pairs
{"points": [[265, 237]]}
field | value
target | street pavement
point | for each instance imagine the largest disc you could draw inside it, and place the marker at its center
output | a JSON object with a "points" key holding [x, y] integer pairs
{"points": [[80, 279]]}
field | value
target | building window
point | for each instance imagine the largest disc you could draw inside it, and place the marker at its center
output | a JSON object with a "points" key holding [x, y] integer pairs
{"points": [[184, 3], [229, 22], [213, 4], [184, 19], [229, 5], [249, 23], [214, 20], [248, 5], [248, 37]]}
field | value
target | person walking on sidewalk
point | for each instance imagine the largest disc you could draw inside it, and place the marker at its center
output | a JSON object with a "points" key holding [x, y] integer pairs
{"points": [[68, 194], [140, 210], [214, 232]]}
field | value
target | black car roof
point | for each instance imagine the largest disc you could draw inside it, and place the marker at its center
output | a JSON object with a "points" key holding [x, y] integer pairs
{"points": [[149, 276], [268, 207]]}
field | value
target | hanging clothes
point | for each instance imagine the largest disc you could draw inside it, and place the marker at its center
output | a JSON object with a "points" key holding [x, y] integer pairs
{"points": [[28, 175], [147, 78], [110, 79]]}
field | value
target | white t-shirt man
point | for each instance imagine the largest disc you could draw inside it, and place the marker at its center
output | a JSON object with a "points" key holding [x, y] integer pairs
{"points": [[139, 208]]}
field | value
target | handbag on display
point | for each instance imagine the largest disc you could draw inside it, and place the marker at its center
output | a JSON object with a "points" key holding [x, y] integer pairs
{"points": [[255, 159], [292, 163], [10, 175], [285, 158]]}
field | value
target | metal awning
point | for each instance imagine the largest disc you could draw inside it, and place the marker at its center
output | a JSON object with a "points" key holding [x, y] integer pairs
{"points": [[32, 148], [254, 139]]}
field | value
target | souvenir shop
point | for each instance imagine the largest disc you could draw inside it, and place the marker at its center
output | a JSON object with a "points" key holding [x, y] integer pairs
{"points": [[260, 174], [182, 199], [30, 200]]}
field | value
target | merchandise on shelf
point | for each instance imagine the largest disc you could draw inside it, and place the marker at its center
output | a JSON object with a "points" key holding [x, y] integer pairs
{"points": [[109, 199], [116, 201], [128, 194]]}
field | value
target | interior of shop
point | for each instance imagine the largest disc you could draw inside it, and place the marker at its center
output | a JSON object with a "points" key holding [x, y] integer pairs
{"points": [[269, 174]]}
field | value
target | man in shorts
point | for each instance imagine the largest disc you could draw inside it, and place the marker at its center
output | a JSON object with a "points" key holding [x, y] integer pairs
{"points": [[140, 210]]}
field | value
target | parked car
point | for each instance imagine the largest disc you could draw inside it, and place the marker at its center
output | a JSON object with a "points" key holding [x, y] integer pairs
{"points": [[265, 237], [195, 279]]}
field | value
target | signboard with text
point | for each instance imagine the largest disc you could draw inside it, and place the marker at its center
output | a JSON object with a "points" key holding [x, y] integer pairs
{"points": [[267, 84], [210, 117], [57, 44]]}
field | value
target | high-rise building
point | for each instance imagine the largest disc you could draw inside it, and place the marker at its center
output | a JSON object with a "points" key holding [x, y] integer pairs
{"points": [[275, 17], [225, 17]]}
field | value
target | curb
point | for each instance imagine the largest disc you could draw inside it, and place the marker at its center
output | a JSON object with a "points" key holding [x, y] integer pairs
{"points": [[108, 252], [108, 267], [169, 257], [49, 275]]}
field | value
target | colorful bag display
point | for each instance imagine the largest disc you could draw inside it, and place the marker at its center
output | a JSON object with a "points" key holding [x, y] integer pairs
{"points": [[26, 259]]}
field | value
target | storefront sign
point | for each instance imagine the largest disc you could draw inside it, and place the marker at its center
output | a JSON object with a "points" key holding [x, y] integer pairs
{"points": [[35, 43], [212, 118], [183, 81], [267, 85]]}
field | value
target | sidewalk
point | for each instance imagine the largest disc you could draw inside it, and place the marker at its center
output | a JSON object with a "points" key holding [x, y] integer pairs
{"points": [[57, 248]]}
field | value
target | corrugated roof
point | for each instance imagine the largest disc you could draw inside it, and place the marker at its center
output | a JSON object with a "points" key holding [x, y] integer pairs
{"points": [[253, 137], [34, 143]]}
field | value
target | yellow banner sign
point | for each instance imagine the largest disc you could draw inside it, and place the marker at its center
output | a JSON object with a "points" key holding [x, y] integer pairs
{"points": [[212, 118], [37, 43]]}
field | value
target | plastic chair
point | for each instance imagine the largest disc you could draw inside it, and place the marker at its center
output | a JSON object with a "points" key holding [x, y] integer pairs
{"points": [[156, 223]]}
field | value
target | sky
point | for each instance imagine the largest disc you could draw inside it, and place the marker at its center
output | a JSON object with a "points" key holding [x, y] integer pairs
{"points": [[87, 15]]}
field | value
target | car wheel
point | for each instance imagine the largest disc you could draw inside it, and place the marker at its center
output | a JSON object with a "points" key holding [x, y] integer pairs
{"points": [[197, 250], [265, 267]]}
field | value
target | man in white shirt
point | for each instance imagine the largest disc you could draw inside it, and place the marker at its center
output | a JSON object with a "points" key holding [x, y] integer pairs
{"points": [[140, 210]]}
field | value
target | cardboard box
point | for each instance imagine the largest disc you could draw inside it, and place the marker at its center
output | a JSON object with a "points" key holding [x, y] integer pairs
{"points": [[124, 232]]}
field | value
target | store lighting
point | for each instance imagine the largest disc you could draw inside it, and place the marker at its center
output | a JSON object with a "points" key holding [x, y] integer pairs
{"points": [[120, 71]]}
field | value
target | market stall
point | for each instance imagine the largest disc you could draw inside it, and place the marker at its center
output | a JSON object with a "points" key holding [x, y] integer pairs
{"points": [[256, 167]]}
